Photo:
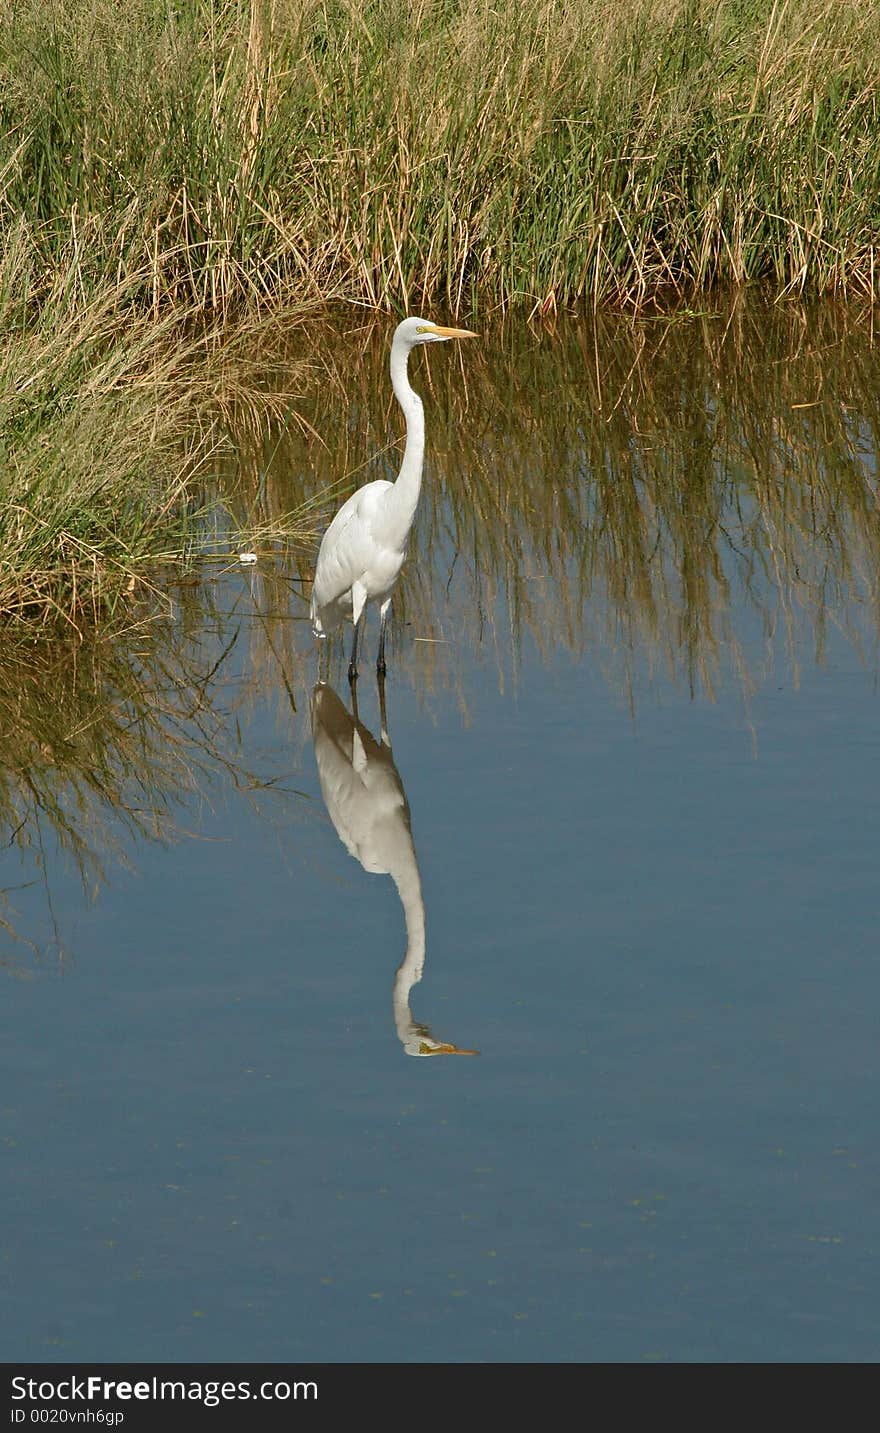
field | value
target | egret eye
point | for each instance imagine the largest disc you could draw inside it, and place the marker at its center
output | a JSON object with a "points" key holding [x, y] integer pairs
{"points": [[425, 328]]}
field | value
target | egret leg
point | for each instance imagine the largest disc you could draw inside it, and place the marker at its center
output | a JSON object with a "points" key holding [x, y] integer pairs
{"points": [[383, 717], [383, 618], [358, 608], [352, 666]]}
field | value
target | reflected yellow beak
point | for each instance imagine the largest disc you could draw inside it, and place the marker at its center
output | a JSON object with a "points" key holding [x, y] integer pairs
{"points": [[453, 332], [440, 1049]]}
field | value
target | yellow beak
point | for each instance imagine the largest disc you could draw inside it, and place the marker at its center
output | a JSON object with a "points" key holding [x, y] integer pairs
{"points": [[454, 332]]}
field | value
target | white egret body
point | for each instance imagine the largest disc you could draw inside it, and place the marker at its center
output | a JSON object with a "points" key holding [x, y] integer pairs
{"points": [[367, 804], [364, 547]]}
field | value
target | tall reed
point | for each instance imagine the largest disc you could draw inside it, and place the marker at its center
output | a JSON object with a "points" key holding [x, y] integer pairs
{"points": [[552, 151]]}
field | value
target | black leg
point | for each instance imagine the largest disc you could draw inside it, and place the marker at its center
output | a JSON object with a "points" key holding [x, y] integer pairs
{"points": [[380, 660], [352, 666], [383, 717]]}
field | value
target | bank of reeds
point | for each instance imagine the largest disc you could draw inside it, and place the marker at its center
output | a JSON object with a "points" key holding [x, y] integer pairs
{"points": [[552, 151], [112, 424]]}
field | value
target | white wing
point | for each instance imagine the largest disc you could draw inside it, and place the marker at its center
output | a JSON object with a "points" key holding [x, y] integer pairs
{"points": [[349, 550]]}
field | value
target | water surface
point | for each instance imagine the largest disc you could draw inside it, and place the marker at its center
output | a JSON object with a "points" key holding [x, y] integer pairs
{"points": [[618, 832]]}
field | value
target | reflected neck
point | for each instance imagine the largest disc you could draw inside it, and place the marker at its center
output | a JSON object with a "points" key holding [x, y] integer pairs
{"points": [[409, 972]]}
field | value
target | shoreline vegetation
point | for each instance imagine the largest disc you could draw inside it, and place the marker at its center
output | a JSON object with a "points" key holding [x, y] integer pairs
{"points": [[176, 176]]}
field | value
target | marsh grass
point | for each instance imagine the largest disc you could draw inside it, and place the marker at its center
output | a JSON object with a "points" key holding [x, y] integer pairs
{"points": [[549, 151], [112, 423]]}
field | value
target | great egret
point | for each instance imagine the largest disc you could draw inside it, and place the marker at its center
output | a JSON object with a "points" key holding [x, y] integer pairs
{"points": [[364, 547], [367, 804]]}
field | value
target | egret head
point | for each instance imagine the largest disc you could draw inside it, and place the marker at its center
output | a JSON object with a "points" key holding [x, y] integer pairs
{"points": [[422, 330]]}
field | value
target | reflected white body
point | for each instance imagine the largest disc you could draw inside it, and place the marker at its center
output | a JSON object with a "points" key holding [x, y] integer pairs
{"points": [[367, 804], [364, 548]]}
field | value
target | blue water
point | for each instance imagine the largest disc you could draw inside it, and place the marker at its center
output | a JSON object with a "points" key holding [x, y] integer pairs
{"points": [[657, 926], [628, 800]]}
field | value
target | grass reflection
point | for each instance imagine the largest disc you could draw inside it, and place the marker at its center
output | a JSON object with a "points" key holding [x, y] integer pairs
{"points": [[105, 743], [631, 487]]}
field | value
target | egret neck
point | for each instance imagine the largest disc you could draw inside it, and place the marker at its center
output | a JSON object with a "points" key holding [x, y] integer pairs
{"points": [[401, 502]]}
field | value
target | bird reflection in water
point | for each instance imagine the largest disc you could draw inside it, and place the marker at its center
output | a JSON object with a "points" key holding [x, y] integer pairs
{"points": [[367, 804]]}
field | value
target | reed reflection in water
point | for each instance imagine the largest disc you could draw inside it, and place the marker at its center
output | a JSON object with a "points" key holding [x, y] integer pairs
{"points": [[111, 742], [366, 801], [643, 490]]}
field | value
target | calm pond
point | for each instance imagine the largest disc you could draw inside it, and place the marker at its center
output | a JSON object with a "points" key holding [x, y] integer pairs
{"points": [[624, 824]]}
